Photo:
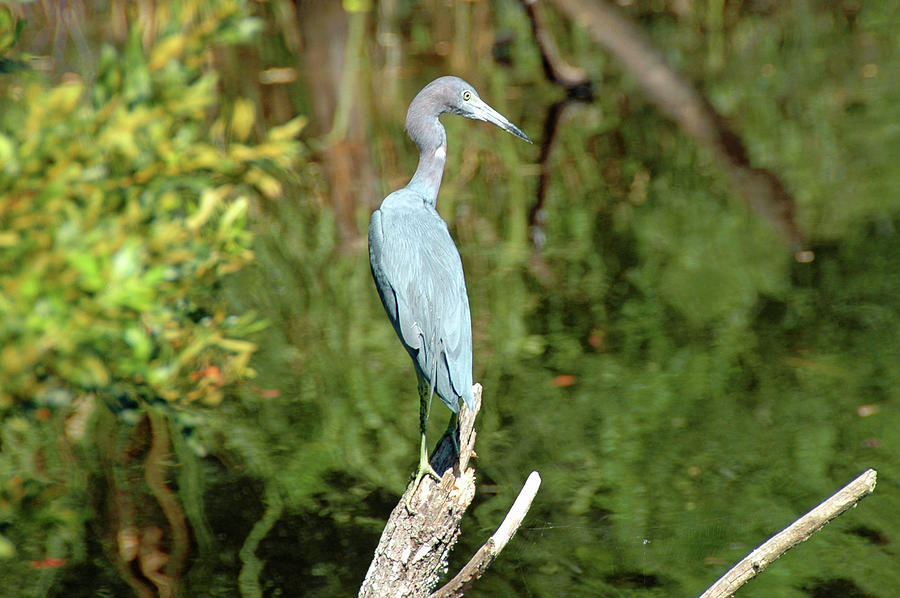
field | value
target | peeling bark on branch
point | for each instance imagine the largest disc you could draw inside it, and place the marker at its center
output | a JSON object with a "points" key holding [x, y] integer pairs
{"points": [[414, 550], [479, 563]]}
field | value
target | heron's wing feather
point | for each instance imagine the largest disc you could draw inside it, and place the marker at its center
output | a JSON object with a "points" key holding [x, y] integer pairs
{"points": [[384, 271], [424, 292]]}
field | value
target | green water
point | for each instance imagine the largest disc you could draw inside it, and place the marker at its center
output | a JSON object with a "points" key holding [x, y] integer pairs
{"points": [[684, 387]]}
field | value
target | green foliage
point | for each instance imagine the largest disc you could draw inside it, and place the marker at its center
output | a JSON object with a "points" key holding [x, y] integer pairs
{"points": [[120, 214], [124, 206], [10, 31]]}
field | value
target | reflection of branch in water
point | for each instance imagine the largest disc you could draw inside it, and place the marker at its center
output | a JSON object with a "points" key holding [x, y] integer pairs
{"points": [[556, 69], [578, 89], [155, 467], [684, 104], [536, 215]]}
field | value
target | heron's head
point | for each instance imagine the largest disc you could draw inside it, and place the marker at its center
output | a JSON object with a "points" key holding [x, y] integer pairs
{"points": [[455, 96]]}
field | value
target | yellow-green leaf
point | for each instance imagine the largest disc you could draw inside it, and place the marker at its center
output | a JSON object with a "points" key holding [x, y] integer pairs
{"points": [[167, 49], [288, 130], [208, 202], [243, 118]]}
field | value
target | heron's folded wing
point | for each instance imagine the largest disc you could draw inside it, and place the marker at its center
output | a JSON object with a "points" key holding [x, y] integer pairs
{"points": [[423, 269], [390, 279]]}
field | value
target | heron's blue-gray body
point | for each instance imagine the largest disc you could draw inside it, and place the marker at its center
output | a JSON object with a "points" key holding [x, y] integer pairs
{"points": [[419, 277], [415, 264]]}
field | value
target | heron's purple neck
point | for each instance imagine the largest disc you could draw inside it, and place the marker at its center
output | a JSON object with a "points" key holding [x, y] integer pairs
{"points": [[431, 139]]}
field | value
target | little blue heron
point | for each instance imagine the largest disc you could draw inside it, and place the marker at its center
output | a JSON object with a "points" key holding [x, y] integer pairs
{"points": [[416, 266]]}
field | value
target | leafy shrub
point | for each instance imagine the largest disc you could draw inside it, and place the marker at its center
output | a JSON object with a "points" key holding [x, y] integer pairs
{"points": [[124, 206]]}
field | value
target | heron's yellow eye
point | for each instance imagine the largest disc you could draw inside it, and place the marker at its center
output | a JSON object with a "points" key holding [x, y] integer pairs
{"points": [[467, 95]]}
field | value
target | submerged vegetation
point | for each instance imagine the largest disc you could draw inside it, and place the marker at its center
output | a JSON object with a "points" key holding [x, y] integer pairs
{"points": [[200, 394]]}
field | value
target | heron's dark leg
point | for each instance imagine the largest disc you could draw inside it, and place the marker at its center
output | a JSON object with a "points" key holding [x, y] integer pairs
{"points": [[424, 465], [453, 431]]}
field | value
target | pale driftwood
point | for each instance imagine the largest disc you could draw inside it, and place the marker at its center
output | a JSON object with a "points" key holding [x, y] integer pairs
{"points": [[413, 552], [479, 563], [792, 535]]}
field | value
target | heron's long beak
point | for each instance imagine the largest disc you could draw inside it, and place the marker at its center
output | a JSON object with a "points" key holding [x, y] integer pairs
{"points": [[481, 111]]}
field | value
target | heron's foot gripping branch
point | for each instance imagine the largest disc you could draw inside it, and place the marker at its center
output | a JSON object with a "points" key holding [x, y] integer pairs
{"points": [[424, 469]]}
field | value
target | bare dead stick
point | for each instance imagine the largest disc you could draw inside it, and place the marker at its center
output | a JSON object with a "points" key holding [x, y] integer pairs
{"points": [[485, 555], [792, 535]]}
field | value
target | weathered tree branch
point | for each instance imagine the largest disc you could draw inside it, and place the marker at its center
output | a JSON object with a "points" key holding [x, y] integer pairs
{"points": [[479, 563], [792, 535], [414, 550]]}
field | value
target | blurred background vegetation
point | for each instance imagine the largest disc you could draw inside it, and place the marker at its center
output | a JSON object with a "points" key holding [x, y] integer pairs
{"points": [[200, 394]]}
